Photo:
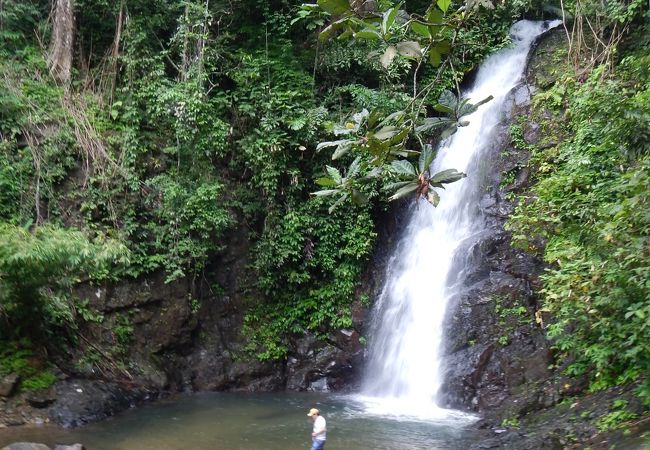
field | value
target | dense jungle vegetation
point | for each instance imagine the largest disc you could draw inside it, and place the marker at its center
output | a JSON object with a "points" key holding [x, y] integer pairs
{"points": [[136, 136]]}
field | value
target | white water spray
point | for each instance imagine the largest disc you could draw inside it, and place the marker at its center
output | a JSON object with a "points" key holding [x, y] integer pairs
{"points": [[404, 369]]}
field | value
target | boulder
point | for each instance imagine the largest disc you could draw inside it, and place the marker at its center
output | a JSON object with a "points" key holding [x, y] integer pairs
{"points": [[83, 401], [70, 447], [41, 398], [8, 384], [26, 446]]}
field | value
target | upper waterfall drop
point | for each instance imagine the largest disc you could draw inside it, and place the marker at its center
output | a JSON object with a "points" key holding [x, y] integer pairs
{"points": [[403, 373]]}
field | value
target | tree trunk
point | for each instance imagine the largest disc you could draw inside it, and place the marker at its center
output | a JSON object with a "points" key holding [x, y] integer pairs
{"points": [[61, 47]]}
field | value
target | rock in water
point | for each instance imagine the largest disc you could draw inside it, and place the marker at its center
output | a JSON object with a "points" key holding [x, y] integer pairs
{"points": [[26, 446]]}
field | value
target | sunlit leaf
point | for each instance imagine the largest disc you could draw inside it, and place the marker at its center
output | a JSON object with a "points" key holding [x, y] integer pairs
{"points": [[325, 193], [409, 49], [389, 54], [327, 144], [337, 203], [334, 174], [442, 4], [361, 116]]}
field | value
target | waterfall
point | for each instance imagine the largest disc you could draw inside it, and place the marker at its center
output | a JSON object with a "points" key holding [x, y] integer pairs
{"points": [[404, 365]]}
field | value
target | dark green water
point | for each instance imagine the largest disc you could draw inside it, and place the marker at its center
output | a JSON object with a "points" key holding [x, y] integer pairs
{"points": [[224, 421]]}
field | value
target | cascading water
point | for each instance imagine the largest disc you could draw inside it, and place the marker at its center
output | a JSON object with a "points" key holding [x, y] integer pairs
{"points": [[404, 368]]}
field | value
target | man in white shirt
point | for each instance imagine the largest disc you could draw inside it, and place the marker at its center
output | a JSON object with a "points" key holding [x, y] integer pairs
{"points": [[319, 433]]}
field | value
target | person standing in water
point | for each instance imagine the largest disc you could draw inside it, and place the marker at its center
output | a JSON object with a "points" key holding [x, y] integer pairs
{"points": [[319, 433]]}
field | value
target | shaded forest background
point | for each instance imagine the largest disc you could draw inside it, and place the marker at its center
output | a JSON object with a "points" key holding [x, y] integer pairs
{"points": [[135, 136]]}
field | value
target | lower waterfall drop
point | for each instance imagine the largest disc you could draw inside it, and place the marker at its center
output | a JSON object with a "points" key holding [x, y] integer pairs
{"points": [[404, 372]]}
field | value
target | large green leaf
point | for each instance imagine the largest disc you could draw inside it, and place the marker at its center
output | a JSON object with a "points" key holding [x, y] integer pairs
{"points": [[468, 108], [411, 187], [421, 29], [325, 182], [354, 168], [448, 99], [387, 132], [426, 158], [403, 167], [391, 187], [445, 177], [334, 174], [335, 7], [451, 129], [442, 4], [434, 123], [368, 34], [433, 15], [342, 149], [434, 57], [331, 28], [433, 197], [389, 18], [327, 144], [358, 197]]}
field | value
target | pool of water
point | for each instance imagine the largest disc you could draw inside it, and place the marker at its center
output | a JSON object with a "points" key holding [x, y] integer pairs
{"points": [[227, 421]]}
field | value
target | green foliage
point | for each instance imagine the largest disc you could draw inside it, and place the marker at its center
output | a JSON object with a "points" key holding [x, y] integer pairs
{"points": [[37, 271], [615, 419], [309, 262], [511, 422], [591, 208], [19, 359], [123, 334], [187, 119]]}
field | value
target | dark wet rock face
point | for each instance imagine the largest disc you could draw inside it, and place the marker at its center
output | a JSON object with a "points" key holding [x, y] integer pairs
{"points": [[494, 346], [184, 335], [324, 366], [83, 401]]}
